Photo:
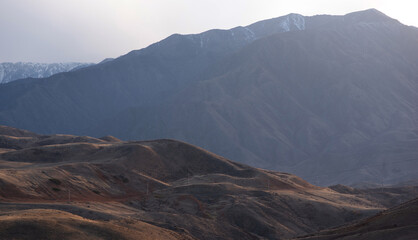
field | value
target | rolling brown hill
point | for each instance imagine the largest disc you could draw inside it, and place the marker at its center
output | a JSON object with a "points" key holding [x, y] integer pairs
{"points": [[400, 222], [56, 224], [70, 187]]}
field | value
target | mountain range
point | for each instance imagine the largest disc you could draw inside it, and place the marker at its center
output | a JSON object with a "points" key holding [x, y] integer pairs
{"points": [[332, 99], [13, 71]]}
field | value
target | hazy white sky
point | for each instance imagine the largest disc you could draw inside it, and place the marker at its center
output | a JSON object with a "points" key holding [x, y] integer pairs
{"points": [[91, 30]]}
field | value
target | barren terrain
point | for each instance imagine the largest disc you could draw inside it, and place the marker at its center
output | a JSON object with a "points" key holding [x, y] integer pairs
{"points": [[71, 187]]}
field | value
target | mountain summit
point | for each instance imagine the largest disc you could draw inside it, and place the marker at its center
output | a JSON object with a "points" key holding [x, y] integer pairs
{"points": [[370, 15]]}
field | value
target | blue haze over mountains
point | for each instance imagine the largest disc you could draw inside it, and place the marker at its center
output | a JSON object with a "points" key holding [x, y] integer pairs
{"points": [[332, 99]]}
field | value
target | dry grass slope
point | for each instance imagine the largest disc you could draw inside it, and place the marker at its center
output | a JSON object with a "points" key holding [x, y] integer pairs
{"points": [[400, 222], [69, 187]]}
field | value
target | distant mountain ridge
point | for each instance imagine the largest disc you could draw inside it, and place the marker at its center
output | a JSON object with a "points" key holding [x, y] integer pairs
{"points": [[330, 98], [13, 71]]}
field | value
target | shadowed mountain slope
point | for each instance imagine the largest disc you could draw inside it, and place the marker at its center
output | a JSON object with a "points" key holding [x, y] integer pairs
{"points": [[75, 101], [335, 104], [331, 98]]}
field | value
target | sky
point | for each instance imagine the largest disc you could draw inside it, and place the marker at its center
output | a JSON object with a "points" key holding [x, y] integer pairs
{"points": [[92, 30]]}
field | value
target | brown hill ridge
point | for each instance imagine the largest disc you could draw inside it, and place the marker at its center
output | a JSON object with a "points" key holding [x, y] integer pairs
{"points": [[15, 132], [70, 187], [400, 222]]}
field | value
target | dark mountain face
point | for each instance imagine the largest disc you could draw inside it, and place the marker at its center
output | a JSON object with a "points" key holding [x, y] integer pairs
{"points": [[76, 101], [331, 98]]}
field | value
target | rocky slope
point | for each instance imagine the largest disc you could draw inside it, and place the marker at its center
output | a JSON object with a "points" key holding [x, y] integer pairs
{"points": [[330, 98]]}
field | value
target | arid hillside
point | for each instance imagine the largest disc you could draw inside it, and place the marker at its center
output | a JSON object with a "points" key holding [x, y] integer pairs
{"points": [[400, 222], [71, 187]]}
